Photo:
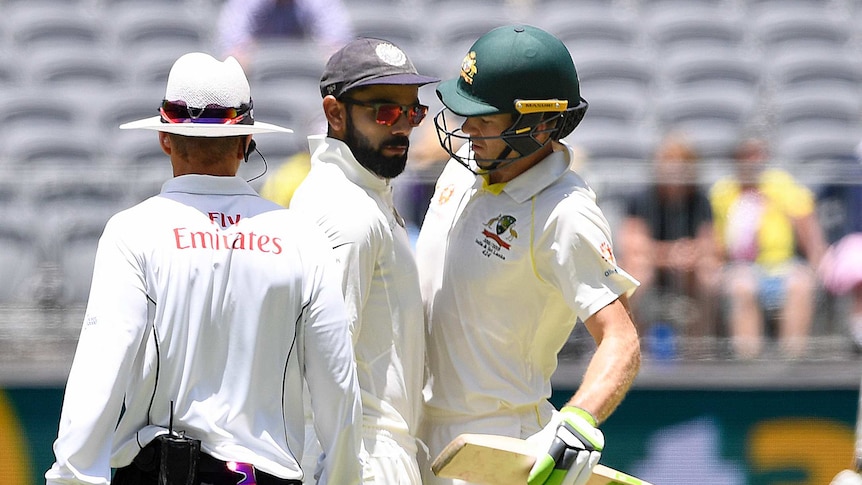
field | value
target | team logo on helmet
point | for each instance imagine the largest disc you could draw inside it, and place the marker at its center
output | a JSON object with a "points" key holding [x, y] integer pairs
{"points": [[468, 67]]}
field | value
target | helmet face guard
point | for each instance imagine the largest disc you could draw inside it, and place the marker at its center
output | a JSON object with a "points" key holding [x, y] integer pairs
{"points": [[534, 117]]}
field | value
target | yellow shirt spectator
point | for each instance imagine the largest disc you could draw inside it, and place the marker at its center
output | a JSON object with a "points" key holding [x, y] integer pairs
{"points": [[758, 225]]}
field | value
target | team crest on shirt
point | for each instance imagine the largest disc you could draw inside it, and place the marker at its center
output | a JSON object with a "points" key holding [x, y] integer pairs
{"points": [[446, 194], [498, 234]]}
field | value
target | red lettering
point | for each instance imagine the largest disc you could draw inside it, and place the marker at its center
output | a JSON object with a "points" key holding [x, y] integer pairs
{"points": [[223, 219], [204, 237], [217, 240], [177, 238], [239, 241], [262, 243]]}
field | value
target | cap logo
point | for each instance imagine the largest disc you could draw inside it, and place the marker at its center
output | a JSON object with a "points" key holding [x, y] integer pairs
{"points": [[468, 67], [390, 54]]}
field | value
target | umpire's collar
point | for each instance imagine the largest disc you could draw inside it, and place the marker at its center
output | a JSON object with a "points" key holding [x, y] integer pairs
{"points": [[208, 185]]}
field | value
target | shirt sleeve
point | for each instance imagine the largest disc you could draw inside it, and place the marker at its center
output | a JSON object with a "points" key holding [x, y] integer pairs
{"points": [[576, 255], [331, 374], [356, 255], [113, 328]]}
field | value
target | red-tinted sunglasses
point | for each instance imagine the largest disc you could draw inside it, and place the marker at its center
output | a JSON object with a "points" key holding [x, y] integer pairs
{"points": [[180, 112], [388, 113]]}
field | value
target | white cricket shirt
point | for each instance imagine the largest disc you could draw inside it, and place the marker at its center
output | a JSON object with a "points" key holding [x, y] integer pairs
{"points": [[505, 272], [243, 300], [381, 284]]}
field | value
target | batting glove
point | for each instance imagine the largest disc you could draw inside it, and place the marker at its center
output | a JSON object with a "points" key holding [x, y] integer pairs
{"points": [[575, 448]]}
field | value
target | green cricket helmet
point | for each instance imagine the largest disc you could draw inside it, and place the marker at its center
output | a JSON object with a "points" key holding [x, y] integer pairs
{"points": [[516, 69]]}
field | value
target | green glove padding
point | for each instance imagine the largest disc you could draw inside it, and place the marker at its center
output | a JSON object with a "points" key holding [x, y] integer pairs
{"points": [[573, 452]]}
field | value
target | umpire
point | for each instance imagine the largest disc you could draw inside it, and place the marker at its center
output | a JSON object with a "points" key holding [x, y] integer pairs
{"points": [[209, 308]]}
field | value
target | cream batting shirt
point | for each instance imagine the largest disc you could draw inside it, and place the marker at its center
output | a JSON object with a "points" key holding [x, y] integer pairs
{"points": [[506, 271], [211, 297], [381, 285]]}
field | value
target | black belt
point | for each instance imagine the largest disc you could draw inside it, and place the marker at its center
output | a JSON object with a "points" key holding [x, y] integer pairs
{"points": [[144, 470]]}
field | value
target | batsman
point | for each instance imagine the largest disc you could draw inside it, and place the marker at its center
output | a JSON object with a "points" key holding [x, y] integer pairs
{"points": [[513, 253]]}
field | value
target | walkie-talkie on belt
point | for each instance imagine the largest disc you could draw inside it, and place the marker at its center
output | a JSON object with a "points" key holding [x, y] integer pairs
{"points": [[180, 455]]}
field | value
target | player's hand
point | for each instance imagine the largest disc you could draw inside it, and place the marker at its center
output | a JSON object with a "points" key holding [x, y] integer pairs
{"points": [[574, 447]]}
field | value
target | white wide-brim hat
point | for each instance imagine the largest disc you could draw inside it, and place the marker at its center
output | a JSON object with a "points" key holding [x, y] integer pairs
{"points": [[199, 80]]}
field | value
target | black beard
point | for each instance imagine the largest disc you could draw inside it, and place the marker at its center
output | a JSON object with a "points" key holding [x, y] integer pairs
{"points": [[372, 158]]}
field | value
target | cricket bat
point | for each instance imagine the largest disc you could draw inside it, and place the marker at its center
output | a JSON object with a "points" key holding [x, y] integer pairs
{"points": [[487, 459]]}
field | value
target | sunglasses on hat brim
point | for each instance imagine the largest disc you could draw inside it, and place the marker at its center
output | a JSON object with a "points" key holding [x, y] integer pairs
{"points": [[180, 112]]}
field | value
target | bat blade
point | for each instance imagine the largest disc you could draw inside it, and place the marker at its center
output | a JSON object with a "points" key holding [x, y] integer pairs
{"points": [[485, 459]]}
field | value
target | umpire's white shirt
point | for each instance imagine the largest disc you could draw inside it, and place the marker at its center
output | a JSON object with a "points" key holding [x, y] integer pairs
{"points": [[381, 285], [506, 271], [243, 300]]}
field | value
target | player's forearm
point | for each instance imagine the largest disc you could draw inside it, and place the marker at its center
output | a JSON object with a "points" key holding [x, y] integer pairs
{"points": [[613, 367], [607, 380]]}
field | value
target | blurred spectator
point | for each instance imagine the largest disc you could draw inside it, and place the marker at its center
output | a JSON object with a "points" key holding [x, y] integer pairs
{"points": [[668, 244], [840, 205], [764, 221], [279, 186], [242, 23]]}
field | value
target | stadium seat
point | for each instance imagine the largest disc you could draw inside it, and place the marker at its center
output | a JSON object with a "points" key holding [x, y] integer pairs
{"points": [[792, 26], [10, 71], [36, 26], [36, 108], [77, 243], [827, 106], [713, 119], [400, 26], [293, 105], [140, 26], [282, 63], [20, 259], [74, 68], [617, 104], [814, 142], [54, 146], [691, 27], [710, 66], [610, 141], [454, 29], [594, 26], [129, 149], [127, 103], [794, 69], [151, 66], [625, 68]]}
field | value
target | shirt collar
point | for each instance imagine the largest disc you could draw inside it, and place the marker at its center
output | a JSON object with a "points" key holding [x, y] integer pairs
{"points": [[208, 184], [332, 150], [538, 177]]}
